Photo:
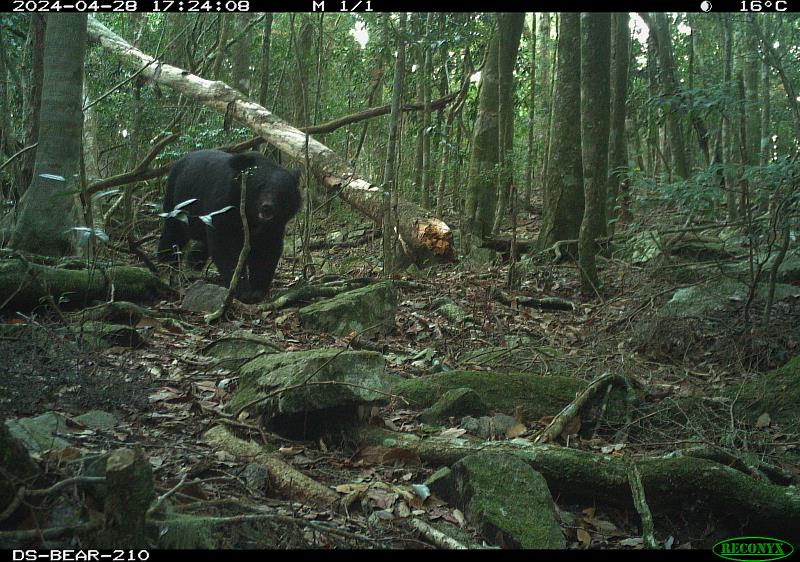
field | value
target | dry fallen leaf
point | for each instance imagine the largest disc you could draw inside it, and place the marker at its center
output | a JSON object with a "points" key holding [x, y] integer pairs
{"points": [[584, 538]]}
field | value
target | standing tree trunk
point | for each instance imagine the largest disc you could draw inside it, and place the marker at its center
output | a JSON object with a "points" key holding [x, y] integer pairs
{"points": [[32, 99], [752, 83], [765, 144], [240, 73], [617, 143], [659, 27], [222, 40], [727, 140], [427, 76], [548, 82], [595, 99], [447, 133], [530, 156], [266, 42], [562, 214], [510, 29], [484, 154], [47, 210], [389, 171]]}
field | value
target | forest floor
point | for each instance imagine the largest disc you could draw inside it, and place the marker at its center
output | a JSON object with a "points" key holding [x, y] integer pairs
{"points": [[167, 393]]}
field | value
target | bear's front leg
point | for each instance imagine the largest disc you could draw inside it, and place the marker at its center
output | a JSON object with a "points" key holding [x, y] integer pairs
{"points": [[225, 247]]}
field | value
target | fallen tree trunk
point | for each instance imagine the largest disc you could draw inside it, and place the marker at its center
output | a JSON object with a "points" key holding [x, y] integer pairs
{"points": [[670, 483], [423, 237], [23, 284]]}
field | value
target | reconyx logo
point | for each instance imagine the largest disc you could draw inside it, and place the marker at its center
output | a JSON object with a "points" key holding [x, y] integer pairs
{"points": [[752, 549]]}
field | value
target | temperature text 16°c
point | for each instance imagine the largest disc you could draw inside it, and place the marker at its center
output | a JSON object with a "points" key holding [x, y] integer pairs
{"points": [[761, 5]]}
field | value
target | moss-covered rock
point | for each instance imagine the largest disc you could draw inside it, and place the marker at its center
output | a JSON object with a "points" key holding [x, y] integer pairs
{"points": [[367, 311], [457, 402], [99, 335], [699, 300], [236, 349], [508, 501], [776, 393], [536, 395], [311, 391]]}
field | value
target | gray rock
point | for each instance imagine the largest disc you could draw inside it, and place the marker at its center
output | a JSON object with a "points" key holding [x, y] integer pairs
{"points": [[40, 434], [256, 478], [486, 427], [325, 387], [204, 297], [97, 419], [237, 348], [368, 311]]}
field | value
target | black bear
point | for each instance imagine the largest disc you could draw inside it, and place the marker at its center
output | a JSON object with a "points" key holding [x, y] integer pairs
{"points": [[212, 178]]}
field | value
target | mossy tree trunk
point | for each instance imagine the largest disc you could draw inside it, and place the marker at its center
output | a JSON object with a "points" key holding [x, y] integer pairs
{"points": [[49, 207], [484, 154], [563, 211], [595, 99], [617, 141], [510, 30]]}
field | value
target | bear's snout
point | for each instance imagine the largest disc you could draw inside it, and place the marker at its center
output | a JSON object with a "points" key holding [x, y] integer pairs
{"points": [[266, 212]]}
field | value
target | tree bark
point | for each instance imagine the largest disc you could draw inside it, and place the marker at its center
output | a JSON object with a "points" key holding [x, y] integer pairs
{"points": [[390, 171], [617, 140], [266, 43], [595, 99], [32, 100], [510, 29], [530, 155], [659, 27], [484, 154], [423, 237], [562, 214], [48, 210]]}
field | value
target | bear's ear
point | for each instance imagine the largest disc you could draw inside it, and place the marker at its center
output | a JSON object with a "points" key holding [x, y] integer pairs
{"points": [[243, 160]]}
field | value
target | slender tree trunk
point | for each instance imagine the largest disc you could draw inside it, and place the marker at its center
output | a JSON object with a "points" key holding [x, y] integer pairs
{"points": [[548, 83], [766, 142], [240, 73], [659, 28], [266, 44], [728, 142], [427, 76], [389, 173], [447, 132], [47, 212], [5, 108], [752, 83], [651, 116], [595, 100], [562, 214], [510, 28], [617, 141], [222, 40], [530, 157]]}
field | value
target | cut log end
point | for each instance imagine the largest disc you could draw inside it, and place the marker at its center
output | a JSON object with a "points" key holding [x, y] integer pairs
{"points": [[436, 237]]}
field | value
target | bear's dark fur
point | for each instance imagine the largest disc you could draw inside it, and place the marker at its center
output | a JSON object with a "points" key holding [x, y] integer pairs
{"points": [[212, 177]]}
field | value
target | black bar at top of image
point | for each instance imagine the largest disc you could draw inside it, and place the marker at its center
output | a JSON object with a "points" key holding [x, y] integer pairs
{"points": [[338, 6]]}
